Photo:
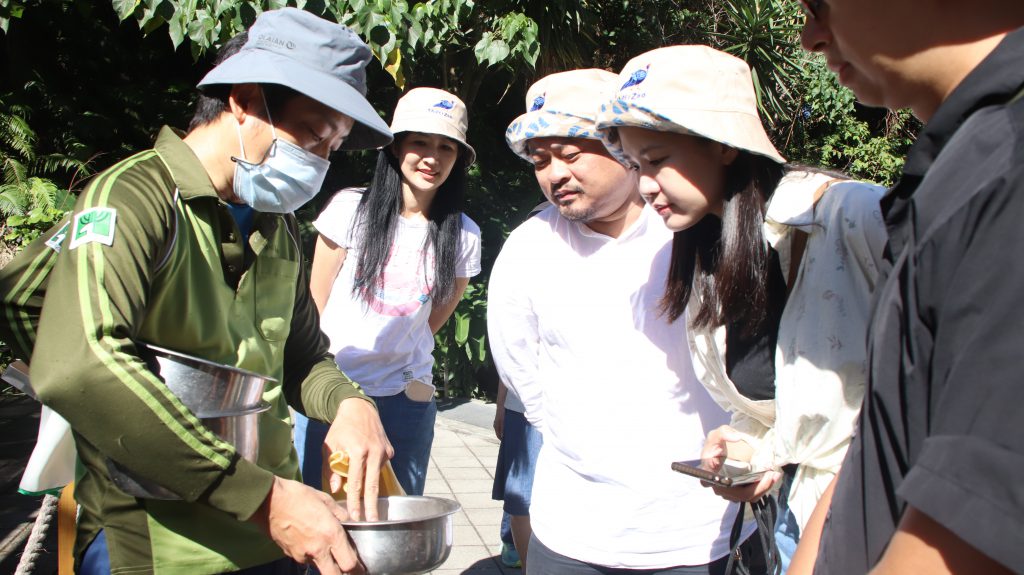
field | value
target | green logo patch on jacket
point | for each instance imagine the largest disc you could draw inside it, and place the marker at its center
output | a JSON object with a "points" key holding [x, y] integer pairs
{"points": [[93, 225], [58, 238]]}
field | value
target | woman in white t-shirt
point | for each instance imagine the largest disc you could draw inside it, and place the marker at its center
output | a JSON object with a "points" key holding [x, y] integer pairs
{"points": [[391, 263]]}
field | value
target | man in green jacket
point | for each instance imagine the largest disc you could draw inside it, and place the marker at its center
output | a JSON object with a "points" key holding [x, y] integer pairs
{"points": [[192, 246]]}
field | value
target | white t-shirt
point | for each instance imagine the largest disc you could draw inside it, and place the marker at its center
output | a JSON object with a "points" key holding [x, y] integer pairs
{"points": [[387, 343], [575, 329]]}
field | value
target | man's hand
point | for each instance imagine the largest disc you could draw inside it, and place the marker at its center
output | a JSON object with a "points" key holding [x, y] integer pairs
{"points": [[727, 443], [357, 431], [499, 410], [499, 423], [305, 524]]}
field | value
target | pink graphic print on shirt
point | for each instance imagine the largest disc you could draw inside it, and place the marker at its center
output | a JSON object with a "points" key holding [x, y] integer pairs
{"points": [[405, 284]]}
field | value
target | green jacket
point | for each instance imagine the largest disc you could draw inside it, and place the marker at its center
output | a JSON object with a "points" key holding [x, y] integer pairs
{"points": [[153, 255]]}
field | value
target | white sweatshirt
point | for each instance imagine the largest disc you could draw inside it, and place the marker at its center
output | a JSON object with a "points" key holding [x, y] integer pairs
{"points": [[575, 329]]}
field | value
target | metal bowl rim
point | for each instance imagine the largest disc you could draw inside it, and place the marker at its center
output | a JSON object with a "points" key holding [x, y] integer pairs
{"points": [[263, 406], [455, 507], [171, 354]]}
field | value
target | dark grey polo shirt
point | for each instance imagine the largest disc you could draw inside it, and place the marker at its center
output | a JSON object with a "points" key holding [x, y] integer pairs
{"points": [[942, 427]]}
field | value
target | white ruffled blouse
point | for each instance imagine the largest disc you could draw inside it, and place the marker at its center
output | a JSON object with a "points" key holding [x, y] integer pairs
{"points": [[821, 356]]}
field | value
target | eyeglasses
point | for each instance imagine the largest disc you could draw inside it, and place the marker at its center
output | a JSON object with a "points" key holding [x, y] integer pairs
{"points": [[812, 8]]}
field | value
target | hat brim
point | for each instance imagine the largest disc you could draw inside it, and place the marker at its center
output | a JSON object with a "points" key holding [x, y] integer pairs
{"points": [[262, 66], [547, 124], [736, 130], [430, 126]]}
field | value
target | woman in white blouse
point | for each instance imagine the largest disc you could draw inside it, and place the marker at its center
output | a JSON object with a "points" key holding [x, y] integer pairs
{"points": [[773, 271]]}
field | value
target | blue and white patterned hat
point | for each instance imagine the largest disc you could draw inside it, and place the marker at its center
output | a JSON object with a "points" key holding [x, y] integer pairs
{"points": [[561, 105], [694, 90]]}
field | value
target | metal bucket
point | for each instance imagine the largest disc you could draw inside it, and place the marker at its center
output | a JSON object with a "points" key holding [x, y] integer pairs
{"points": [[228, 401], [414, 535], [207, 388], [241, 430]]}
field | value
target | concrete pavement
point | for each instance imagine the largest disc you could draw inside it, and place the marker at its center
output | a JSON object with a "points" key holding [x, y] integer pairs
{"points": [[462, 468]]}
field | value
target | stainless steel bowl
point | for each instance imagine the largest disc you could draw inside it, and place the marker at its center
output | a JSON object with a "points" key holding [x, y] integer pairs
{"points": [[414, 535], [241, 430], [207, 388]]}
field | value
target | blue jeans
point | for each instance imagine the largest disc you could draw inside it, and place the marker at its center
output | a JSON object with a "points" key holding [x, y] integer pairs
{"points": [[96, 560], [787, 532], [517, 460], [506, 529], [410, 428], [309, 436]]}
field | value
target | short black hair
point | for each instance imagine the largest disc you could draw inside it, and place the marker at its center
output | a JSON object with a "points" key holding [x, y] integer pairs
{"points": [[213, 100]]}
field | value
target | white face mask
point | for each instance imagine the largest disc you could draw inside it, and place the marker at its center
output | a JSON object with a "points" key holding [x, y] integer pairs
{"points": [[286, 178]]}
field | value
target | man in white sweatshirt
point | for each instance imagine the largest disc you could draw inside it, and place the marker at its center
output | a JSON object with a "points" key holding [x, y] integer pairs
{"points": [[576, 330]]}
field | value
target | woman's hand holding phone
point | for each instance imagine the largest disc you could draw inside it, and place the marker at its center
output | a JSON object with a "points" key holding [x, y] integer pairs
{"points": [[717, 450]]}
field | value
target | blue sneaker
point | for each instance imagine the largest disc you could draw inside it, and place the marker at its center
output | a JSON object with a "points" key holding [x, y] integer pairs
{"points": [[509, 556]]}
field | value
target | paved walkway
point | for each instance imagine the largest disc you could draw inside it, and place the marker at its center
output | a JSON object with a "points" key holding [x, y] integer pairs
{"points": [[462, 468]]}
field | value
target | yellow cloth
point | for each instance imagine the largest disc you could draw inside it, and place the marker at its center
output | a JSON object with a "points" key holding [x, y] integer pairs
{"points": [[339, 464]]}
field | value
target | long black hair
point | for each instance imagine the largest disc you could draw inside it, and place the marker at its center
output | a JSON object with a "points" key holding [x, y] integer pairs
{"points": [[378, 218], [725, 260]]}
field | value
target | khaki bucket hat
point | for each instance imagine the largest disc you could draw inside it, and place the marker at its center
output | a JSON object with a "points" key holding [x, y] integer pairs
{"points": [[433, 111], [694, 90], [561, 105]]}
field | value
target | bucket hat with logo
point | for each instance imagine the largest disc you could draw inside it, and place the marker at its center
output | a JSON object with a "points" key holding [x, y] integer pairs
{"points": [[693, 90], [433, 111]]}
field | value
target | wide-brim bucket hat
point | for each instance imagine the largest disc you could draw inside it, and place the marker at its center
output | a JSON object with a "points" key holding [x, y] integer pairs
{"points": [[694, 90], [434, 111], [317, 58], [564, 104]]}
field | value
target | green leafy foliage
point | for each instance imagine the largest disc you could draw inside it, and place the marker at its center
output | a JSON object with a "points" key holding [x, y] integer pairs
{"points": [[832, 130], [9, 9], [398, 33], [764, 34], [514, 39], [98, 79], [29, 202], [460, 346]]}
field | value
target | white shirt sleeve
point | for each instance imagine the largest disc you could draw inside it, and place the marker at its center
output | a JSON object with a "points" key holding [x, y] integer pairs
{"points": [[468, 264], [512, 329], [336, 219]]}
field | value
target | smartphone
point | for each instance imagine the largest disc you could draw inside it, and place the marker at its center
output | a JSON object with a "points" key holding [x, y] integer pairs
{"points": [[731, 473]]}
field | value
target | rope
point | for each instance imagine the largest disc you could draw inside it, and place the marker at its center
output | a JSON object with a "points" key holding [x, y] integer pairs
{"points": [[35, 540]]}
